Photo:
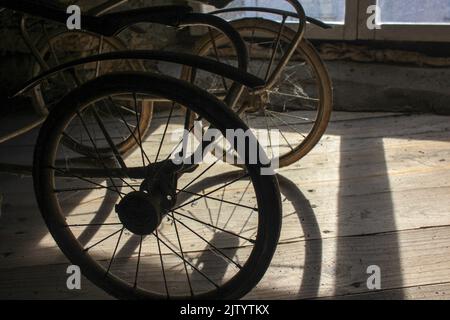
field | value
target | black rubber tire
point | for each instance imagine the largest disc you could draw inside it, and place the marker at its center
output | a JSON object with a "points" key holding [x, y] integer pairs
{"points": [[215, 112]]}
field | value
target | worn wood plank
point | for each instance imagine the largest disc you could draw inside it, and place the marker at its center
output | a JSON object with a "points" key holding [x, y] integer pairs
{"points": [[425, 292], [375, 190], [300, 269], [310, 269]]}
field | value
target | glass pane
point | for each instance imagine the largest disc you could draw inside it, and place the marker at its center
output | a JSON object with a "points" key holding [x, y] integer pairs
{"points": [[326, 10], [414, 11]]}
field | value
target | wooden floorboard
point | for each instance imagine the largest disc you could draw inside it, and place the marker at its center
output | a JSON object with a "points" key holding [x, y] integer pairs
{"points": [[375, 191], [439, 291]]}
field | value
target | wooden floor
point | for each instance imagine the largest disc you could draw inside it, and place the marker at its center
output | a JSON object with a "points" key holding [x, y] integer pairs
{"points": [[376, 191]]}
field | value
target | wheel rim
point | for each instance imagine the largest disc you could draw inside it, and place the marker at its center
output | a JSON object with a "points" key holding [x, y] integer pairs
{"points": [[220, 234], [285, 109], [69, 46]]}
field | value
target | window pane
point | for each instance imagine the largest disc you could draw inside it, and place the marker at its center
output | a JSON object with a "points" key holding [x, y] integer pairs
{"points": [[414, 11], [326, 10]]}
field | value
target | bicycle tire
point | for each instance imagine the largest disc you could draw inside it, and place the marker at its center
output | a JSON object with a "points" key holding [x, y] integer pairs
{"points": [[215, 112]]}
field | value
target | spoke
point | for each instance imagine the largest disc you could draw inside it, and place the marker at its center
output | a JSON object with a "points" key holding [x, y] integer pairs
{"points": [[115, 252], [192, 266], [162, 262], [199, 176], [258, 44], [209, 243], [96, 150], [215, 190], [290, 126], [182, 255], [246, 223], [132, 132], [55, 56], [275, 48], [110, 113], [79, 189], [282, 134], [220, 207], [234, 209], [293, 96], [64, 172], [291, 116], [216, 52], [165, 162], [103, 240], [179, 144], [260, 68], [268, 134], [138, 263], [165, 131], [304, 108], [124, 108], [264, 42], [138, 126], [214, 227], [217, 199], [185, 139], [93, 225], [108, 138], [207, 208], [100, 51]]}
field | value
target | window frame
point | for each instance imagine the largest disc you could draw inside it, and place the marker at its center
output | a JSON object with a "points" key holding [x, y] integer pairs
{"points": [[400, 32], [355, 27], [346, 31]]}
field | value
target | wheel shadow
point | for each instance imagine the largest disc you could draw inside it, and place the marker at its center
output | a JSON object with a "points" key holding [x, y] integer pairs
{"points": [[310, 282]]}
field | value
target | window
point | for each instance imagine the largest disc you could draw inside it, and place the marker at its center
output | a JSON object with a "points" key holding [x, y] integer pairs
{"points": [[414, 12], [332, 11], [409, 20]]}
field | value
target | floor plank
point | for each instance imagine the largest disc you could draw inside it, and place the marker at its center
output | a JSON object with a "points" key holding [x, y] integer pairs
{"points": [[374, 191]]}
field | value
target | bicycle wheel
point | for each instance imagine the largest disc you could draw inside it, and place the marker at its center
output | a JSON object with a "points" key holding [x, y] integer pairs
{"points": [[61, 47], [142, 227], [296, 109]]}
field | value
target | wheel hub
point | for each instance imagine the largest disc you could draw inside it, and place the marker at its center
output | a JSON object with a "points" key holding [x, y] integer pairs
{"points": [[140, 212], [253, 103]]}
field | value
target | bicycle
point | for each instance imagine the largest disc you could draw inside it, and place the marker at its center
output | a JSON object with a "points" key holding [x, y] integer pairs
{"points": [[297, 100], [86, 97], [298, 108], [99, 40], [136, 198]]}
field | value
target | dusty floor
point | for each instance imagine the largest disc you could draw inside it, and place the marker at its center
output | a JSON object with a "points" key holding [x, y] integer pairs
{"points": [[376, 191]]}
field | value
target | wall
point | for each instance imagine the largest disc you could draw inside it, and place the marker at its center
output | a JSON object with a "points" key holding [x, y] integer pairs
{"points": [[387, 87]]}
